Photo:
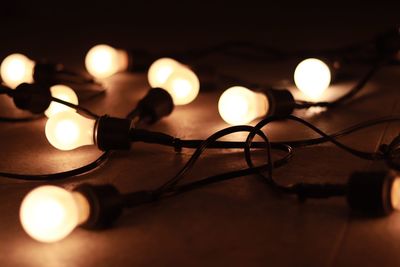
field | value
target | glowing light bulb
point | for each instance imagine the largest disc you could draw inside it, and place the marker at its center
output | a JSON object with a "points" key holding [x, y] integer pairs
{"points": [[64, 93], [239, 105], [160, 71], [68, 130], [50, 213], [395, 193], [183, 86], [312, 76], [16, 69], [103, 61]]}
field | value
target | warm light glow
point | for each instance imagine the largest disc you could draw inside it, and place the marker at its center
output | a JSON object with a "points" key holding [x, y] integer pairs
{"points": [[312, 76], [183, 86], [16, 69], [64, 93], [50, 213], [239, 105], [160, 71], [68, 130], [395, 194], [103, 61]]}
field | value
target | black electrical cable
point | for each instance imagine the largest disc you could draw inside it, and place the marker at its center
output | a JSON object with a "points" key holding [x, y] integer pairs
{"points": [[142, 135], [233, 174], [389, 153], [195, 156], [60, 175], [361, 154], [10, 92], [34, 118], [354, 152], [77, 107], [303, 190], [345, 132]]}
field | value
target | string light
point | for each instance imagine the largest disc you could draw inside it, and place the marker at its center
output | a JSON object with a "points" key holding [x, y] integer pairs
{"points": [[50, 213], [240, 105], [16, 69], [62, 92], [312, 77], [177, 79], [103, 61], [183, 86], [160, 70], [68, 130]]}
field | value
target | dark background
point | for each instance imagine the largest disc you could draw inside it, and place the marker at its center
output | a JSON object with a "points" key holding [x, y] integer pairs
{"points": [[53, 28]]}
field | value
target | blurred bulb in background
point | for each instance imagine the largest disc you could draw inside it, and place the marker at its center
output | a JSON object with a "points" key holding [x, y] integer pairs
{"points": [[103, 61], [50, 213], [183, 85], [239, 105], [16, 69], [312, 76], [62, 92], [160, 71], [68, 130], [395, 193]]}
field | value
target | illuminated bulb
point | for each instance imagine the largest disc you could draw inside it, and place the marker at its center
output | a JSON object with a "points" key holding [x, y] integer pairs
{"points": [[103, 61], [160, 71], [50, 213], [312, 76], [16, 69], [64, 93], [239, 105], [395, 193], [68, 130], [183, 86]]}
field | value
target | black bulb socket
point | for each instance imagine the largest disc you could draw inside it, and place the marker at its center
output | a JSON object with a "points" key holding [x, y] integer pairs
{"points": [[157, 104], [281, 102], [105, 204], [35, 98], [46, 73], [112, 133], [370, 193]]}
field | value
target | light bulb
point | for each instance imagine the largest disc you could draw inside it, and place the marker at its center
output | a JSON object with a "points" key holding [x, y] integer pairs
{"points": [[395, 193], [160, 71], [50, 213], [68, 130], [103, 61], [239, 105], [312, 76], [64, 93], [183, 86], [16, 69]]}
